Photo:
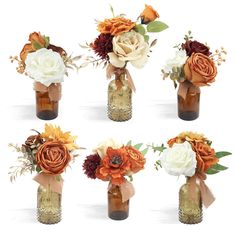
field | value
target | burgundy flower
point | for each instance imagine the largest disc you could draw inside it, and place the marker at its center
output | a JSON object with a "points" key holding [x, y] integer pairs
{"points": [[194, 46], [90, 165], [103, 45]]}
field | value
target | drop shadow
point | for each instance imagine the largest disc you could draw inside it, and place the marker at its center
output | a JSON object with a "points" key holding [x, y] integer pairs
{"points": [[95, 211], [167, 111], [23, 112], [23, 216], [98, 112], [167, 215]]}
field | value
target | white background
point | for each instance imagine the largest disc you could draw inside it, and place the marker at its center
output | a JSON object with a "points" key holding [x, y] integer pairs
{"points": [[153, 209]]}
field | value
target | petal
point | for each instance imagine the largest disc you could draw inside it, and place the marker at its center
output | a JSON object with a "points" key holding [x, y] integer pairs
{"points": [[114, 60]]}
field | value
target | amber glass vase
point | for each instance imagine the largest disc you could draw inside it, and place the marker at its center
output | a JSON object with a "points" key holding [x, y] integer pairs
{"points": [[48, 206], [45, 108], [119, 99], [188, 101], [190, 205], [117, 210]]}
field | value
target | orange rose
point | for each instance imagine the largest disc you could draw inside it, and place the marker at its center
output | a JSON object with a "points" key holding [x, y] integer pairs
{"points": [[200, 69], [53, 157], [136, 158], [148, 14], [206, 157], [115, 26], [34, 38], [114, 166]]}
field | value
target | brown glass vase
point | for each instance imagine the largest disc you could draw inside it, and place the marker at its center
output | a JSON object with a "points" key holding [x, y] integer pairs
{"points": [[48, 205], [117, 210], [188, 101], [45, 108], [190, 204], [119, 99]]}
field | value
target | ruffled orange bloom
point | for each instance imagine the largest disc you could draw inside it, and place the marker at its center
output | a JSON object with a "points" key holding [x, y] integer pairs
{"points": [[148, 14], [34, 38], [114, 166], [136, 158], [115, 26]]}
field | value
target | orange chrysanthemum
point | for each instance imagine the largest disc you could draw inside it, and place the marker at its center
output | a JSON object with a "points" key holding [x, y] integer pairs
{"points": [[114, 166], [115, 26]]}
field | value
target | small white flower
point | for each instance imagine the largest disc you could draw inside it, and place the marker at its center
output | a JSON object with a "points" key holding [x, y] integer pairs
{"points": [[101, 149], [180, 159], [45, 66], [178, 61], [129, 46]]}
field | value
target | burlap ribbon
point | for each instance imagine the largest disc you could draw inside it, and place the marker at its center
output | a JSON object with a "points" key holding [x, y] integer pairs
{"points": [[53, 90], [206, 194], [187, 87], [126, 189], [112, 70], [50, 180]]}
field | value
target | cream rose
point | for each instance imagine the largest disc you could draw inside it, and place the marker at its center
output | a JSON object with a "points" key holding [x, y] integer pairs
{"points": [[101, 149], [129, 46], [180, 159], [45, 66]]}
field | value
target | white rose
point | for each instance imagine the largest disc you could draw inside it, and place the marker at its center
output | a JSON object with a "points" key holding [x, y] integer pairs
{"points": [[180, 159], [101, 149], [178, 61], [45, 66], [129, 46]]}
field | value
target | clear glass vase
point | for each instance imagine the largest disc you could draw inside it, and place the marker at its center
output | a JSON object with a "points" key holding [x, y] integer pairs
{"points": [[190, 204], [48, 206], [45, 108], [119, 99], [188, 106], [117, 210]]}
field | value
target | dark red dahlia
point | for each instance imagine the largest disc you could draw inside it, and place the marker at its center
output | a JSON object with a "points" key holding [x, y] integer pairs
{"points": [[103, 45], [194, 46], [90, 165]]}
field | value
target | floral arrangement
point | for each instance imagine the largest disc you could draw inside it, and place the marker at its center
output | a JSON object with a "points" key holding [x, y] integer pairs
{"points": [[48, 153], [193, 62], [122, 40], [113, 161], [190, 154], [45, 63]]}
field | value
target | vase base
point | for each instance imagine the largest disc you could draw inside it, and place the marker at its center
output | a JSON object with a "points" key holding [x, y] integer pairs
{"points": [[48, 218], [188, 115], [190, 218], [46, 115], [118, 215], [119, 114]]}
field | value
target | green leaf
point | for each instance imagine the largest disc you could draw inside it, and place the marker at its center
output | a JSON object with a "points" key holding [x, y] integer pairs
{"points": [[144, 152], [212, 171], [129, 143], [137, 146], [38, 169], [47, 40], [219, 167], [159, 148], [140, 29], [112, 11], [222, 154], [36, 45], [156, 26], [146, 38]]}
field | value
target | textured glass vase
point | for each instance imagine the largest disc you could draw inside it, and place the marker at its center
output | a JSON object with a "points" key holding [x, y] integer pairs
{"points": [[48, 206], [45, 108], [117, 210], [119, 99], [190, 206], [188, 107]]}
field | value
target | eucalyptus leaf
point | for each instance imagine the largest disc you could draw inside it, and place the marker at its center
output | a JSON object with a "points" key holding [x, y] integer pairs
{"points": [[144, 152], [222, 154], [137, 146], [140, 29], [159, 148], [219, 167], [156, 26]]}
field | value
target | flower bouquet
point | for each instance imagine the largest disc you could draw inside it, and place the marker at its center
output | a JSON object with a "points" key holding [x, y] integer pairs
{"points": [[113, 162], [47, 153], [193, 66], [121, 41], [190, 154], [46, 64]]}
